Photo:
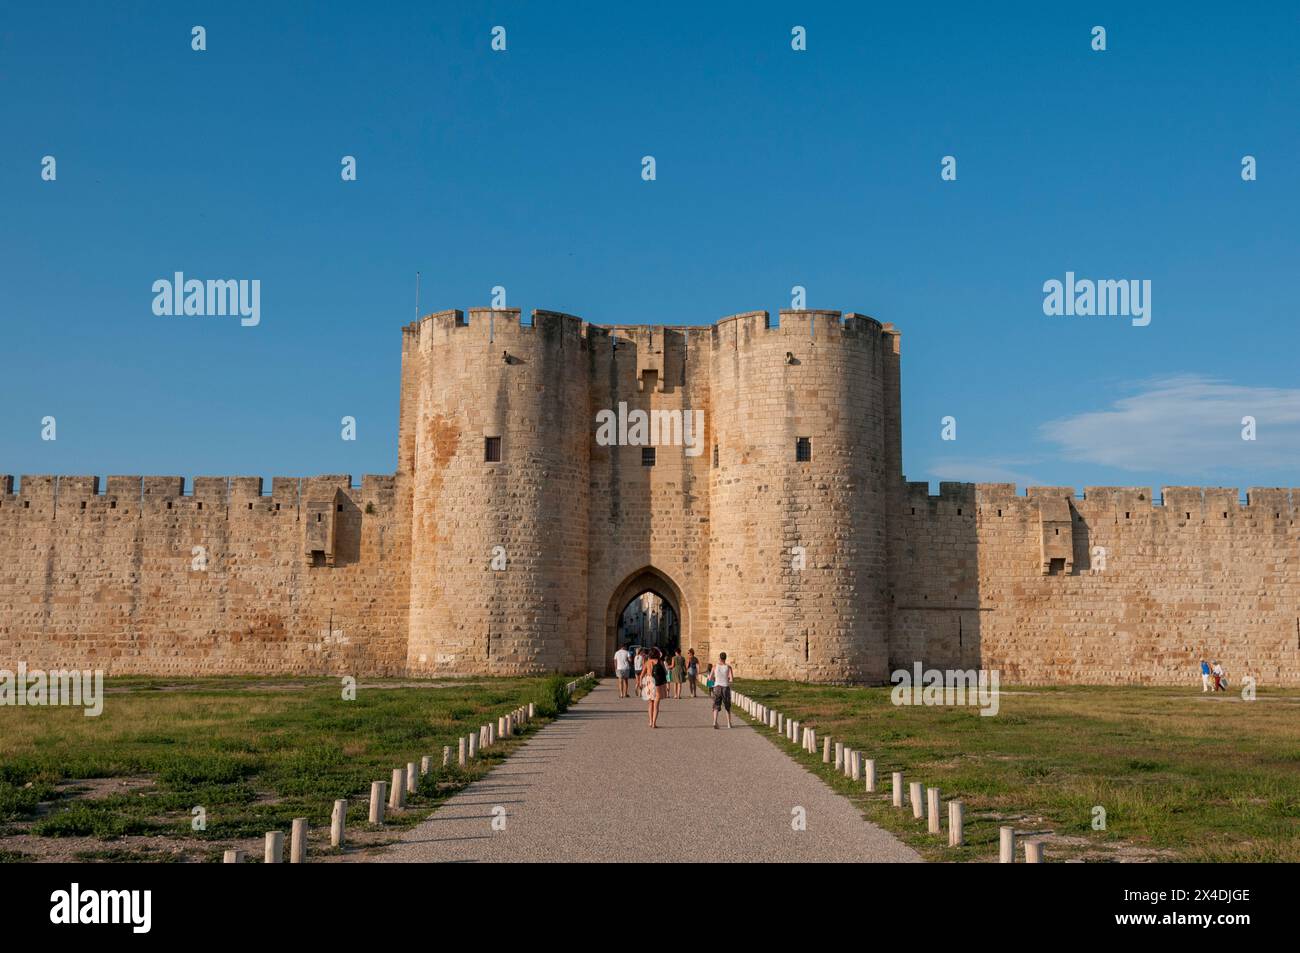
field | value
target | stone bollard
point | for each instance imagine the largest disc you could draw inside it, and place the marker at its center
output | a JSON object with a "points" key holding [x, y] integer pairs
{"points": [[839, 755], [338, 823], [298, 841], [233, 857], [857, 766], [501, 727], [397, 791], [378, 791], [1033, 852], [460, 754], [916, 794], [473, 746], [492, 733], [826, 750], [274, 853], [956, 823], [898, 788], [812, 740], [869, 769], [426, 764], [446, 755], [848, 762], [532, 710], [932, 810], [412, 778], [1006, 845], [510, 726]]}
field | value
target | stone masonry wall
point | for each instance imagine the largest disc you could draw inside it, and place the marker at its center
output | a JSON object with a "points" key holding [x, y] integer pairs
{"points": [[113, 580], [1109, 588], [396, 576]]}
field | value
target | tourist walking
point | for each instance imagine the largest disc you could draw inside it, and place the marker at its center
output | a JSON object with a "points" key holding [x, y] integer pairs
{"points": [[1220, 681], [679, 673], [623, 669], [722, 677], [638, 664], [692, 671], [1205, 676], [654, 681]]}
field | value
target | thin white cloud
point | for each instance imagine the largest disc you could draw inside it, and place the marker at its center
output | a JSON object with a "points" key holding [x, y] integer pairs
{"points": [[1186, 424]]}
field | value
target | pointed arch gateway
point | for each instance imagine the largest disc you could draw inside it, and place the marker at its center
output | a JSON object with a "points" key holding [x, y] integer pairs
{"points": [[646, 579]]}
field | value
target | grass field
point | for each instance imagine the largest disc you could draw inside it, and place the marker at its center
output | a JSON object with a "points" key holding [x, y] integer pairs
{"points": [[253, 753], [1181, 776]]}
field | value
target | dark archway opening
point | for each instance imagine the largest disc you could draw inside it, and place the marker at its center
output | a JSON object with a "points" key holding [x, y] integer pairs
{"points": [[650, 620], [672, 630]]}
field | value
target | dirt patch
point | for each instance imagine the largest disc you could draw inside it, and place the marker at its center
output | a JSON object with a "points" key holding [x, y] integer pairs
{"points": [[97, 788]]}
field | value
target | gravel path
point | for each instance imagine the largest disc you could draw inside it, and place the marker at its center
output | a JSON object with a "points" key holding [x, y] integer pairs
{"points": [[592, 785]]}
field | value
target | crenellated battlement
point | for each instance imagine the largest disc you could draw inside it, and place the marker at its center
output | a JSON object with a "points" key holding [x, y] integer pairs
{"points": [[131, 494], [438, 327], [805, 324], [446, 327], [1194, 502]]}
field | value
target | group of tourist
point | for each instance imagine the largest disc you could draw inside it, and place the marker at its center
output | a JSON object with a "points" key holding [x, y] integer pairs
{"points": [[657, 676], [1213, 677]]}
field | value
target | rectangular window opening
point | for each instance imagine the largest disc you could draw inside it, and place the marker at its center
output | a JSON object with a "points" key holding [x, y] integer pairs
{"points": [[492, 450], [803, 450], [647, 456]]}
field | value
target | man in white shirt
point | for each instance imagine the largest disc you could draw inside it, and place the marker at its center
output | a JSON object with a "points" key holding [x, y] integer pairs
{"points": [[623, 669], [722, 678]]}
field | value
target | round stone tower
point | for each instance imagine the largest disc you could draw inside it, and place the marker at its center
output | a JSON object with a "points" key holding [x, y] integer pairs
{"points": [[494, 434], [804, 425]]}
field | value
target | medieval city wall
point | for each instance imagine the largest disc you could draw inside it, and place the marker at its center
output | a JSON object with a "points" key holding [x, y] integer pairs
{"points": [[824, 377], [830, 569], [649, 525], [1111, 587], [499, 548], [142, 578]]}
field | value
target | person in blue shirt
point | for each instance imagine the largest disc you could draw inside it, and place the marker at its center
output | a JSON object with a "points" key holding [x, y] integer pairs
{"points": [[1205, 676]]}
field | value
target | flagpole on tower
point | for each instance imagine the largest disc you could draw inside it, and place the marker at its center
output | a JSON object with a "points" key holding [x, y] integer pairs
{"points": [[417, 296]]}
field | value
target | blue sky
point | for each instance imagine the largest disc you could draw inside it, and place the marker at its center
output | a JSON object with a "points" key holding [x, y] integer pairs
{"points": [[775, 168]]}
